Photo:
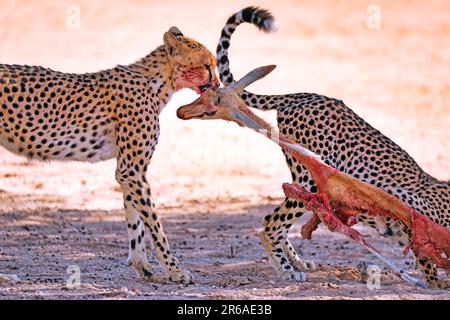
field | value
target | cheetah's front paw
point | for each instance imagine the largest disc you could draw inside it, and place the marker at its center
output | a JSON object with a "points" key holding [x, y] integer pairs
{"points": [[144, 270], [292, 275], [181, 276], [304, 265]]}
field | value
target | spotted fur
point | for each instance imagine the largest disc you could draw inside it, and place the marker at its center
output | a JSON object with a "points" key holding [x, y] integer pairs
{"points": [[51, 115], [345, 141]]}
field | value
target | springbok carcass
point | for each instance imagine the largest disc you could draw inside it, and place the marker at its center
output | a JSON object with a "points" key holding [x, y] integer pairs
{"points": [[340, 197]]}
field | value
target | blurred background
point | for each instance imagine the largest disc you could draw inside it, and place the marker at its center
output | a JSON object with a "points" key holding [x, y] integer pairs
{"points": [[387, 60]]}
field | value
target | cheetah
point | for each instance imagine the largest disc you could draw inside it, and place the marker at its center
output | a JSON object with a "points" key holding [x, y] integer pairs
{"points": [[49, 115], [329, 128]]}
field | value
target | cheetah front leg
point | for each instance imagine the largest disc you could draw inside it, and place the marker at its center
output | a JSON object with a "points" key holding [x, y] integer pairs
{"points": [[133, 159], [138, 197], [296, 260], [137, 255], [292, 209], [283, 257]]}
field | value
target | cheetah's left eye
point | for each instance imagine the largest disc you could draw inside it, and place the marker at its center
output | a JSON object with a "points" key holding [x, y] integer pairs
{"points": [[208, 67]]}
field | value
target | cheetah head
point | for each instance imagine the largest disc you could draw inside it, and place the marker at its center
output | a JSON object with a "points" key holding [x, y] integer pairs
{"points": [[224, 103], [193, 65]]}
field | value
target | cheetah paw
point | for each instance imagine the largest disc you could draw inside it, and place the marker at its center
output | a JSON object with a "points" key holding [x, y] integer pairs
{"points": [[181, 277], [292, 275], [439, 284], [304, 265], [144, 269]]}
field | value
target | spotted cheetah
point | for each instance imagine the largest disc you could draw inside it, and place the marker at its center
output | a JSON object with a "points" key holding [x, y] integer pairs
{"points": [[51, 115], [345, 141]]}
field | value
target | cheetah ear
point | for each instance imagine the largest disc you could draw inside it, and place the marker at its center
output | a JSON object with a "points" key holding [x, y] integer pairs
{"points": [[175, 31], [251, 77], [173, 45]]}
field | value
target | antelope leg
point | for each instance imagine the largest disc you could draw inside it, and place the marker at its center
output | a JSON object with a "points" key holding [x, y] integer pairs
{"points": [[323, 210]]}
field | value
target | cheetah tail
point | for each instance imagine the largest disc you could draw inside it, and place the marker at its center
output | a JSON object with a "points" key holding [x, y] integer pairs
{"points": [[264, 21]]}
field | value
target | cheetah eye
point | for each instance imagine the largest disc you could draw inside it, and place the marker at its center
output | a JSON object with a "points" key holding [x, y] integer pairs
{"points": [[208, 68]]}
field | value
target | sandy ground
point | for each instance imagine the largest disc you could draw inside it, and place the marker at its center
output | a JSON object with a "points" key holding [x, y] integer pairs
{"points": [[212, 181]]}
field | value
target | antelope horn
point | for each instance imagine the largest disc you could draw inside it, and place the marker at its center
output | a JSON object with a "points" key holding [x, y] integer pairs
{"points": [[251, 77]]}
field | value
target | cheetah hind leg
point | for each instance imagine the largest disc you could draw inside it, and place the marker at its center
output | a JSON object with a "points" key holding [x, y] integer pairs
{"points": [[283, 269], [430, 275]]}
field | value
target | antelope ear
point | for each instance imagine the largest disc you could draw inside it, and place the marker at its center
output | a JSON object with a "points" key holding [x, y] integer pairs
{"points": [[172, 44], [252, 76]]}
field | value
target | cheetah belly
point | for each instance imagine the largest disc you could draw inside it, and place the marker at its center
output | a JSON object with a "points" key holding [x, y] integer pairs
{"points": [[8, 143], [103, 148], [90, 147]]}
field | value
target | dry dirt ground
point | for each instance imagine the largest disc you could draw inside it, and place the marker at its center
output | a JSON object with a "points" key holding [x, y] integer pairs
{"points": [[213, 182]]}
